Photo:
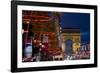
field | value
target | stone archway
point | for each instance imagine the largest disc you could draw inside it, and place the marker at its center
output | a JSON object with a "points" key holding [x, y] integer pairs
{"points": [[70, 39]]}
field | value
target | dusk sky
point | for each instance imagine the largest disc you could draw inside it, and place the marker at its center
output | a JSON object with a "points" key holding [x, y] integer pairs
{"points": [[77, 20]]}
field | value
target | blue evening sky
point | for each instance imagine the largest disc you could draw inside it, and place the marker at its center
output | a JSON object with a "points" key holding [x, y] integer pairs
{"points": [[77, 20]]}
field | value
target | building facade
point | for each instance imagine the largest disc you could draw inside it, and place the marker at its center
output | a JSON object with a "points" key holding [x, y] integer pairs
{"points": [[40, 24]]}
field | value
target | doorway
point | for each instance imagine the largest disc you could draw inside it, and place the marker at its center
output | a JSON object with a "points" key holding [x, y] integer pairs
{"points": [[68, 47]]}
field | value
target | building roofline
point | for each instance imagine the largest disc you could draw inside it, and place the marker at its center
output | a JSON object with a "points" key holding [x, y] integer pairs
{"points": [[71, 30]]}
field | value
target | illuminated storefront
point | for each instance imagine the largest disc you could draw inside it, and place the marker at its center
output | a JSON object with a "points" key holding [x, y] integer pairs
{"points": [[39, 24]]}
